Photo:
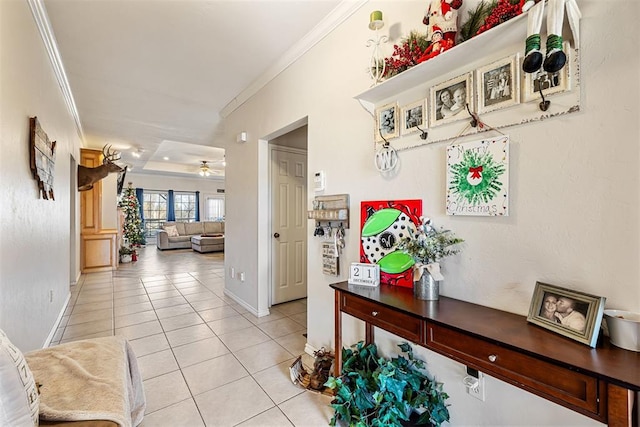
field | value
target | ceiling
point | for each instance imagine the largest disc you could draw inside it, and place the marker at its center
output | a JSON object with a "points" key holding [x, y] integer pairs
{"points": [[154, 77]]}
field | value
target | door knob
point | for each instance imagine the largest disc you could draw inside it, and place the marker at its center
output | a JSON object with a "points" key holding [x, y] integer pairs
{"points": [[276, 235]]}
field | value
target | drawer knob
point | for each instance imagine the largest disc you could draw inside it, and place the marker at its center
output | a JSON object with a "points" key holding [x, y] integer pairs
{"points": [[492, 358], [374, 313]]}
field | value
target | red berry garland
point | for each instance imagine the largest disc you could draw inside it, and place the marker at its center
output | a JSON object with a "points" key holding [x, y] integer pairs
{"points": [[405, 55], [504, 10]]}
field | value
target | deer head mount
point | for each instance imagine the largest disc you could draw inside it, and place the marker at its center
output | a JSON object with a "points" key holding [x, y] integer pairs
{"points": [[89, 176]]}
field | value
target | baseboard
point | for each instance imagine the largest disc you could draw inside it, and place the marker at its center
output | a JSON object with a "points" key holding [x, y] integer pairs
{"points": [[244, 304], [309, 349], [77, 279], [47, 342]]}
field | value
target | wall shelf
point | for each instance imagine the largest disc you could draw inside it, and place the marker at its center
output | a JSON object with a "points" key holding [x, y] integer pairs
{"points": [[498, 38], [501, 42]]}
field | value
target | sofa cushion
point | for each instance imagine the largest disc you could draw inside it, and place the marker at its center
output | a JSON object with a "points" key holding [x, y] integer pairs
{"points": [[211, 227], [191, 228], [180, 227], [172, 230], [19, 399]]}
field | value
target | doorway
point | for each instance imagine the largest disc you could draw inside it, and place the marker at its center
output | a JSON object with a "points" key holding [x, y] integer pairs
{"points": [[288, 200], [73, 190]]}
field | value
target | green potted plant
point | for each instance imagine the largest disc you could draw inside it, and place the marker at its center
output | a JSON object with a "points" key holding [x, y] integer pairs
{"points": [[378, 391], [126, 254]]}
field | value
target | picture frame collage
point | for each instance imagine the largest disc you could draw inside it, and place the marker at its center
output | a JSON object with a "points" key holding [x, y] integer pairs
{"points": [[495, 86]]}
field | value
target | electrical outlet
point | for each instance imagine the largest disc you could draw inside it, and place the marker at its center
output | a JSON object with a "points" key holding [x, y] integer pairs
{"points": [[241, 276], [475, 386], [232, 272], [51, 295]]}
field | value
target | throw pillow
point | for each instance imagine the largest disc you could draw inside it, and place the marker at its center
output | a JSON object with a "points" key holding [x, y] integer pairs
{"points": [[19, 397], [172, 230]]}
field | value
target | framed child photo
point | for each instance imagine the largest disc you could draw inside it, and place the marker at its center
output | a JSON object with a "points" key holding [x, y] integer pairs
{"points": [[549, 83], [387, 123], [497, 84], [448, 100], [413, 116], [574, 314]]}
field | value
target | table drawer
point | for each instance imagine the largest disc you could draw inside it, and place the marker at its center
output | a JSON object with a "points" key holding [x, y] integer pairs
{"points": [[401, 324], [569, 388]]}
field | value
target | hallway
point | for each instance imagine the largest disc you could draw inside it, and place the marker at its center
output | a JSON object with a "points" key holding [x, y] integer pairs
{"points": [[205, 360]]}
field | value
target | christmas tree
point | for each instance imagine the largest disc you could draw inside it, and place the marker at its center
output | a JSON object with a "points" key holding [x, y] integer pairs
{"points": [[132, 227]]}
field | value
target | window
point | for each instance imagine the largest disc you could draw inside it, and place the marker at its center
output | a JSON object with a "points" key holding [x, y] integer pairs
{"points": [[214, 208], [185, 207], [155, 211]]}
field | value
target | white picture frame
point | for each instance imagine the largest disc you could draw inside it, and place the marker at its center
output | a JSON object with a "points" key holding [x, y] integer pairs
{"points": [[551, 83], [443, 111], [497, 84], [413, 116], [387, 123]]}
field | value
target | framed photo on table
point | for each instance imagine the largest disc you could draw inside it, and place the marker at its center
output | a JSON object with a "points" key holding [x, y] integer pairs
{"points": [[497, 84], [574, 314], [387, 123], [413, 116], [448, 100]]}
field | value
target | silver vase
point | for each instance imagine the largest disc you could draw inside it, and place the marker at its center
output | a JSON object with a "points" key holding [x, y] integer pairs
{"points": [[426, 287]]}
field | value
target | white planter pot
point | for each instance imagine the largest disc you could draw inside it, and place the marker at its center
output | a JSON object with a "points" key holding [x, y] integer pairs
{"points": [[125, 258]]}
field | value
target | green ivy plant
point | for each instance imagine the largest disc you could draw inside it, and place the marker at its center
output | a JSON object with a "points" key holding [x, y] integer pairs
{"points": [[377, 391]]}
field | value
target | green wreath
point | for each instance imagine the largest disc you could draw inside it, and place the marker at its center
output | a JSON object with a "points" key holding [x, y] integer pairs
{"points": [[480, 166]]}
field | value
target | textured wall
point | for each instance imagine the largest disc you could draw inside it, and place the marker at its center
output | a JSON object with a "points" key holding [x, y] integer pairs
{"points": [[35, 238]]}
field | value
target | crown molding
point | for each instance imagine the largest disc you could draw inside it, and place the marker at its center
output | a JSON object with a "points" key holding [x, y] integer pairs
{"points": [[336, 17], [41, 18]]}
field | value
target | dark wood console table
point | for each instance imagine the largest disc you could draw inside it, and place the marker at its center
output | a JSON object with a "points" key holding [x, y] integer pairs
{"points": [[602, 383]]}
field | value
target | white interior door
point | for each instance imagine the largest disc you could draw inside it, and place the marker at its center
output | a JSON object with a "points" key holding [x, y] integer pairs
{"points": [[289, 225]]}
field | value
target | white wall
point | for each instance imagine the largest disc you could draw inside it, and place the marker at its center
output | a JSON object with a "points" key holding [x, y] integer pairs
{"points": [[34, 233], [574, 191]]}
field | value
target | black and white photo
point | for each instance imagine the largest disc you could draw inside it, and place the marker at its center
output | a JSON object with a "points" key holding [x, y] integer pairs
{"points": [[449, 100], [413, 117], [387, 122], [549, 83], [497, 85]]}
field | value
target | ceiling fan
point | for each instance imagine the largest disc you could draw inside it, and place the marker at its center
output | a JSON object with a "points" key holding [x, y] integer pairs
{"points": [[204, 169]]}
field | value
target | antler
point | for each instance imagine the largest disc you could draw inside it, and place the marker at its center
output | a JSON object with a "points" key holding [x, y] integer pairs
{"points": [[88, 176], [109, 156]]}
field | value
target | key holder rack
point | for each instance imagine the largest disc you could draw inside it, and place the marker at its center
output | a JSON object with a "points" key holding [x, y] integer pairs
{"points": [[330, 211]]}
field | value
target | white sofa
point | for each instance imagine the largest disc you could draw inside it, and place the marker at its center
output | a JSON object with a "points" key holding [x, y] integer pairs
{"points": [[186, 230]]}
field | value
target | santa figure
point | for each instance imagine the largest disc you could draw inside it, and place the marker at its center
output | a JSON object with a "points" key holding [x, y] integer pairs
{"points": [[443, 15], [438, 45]]}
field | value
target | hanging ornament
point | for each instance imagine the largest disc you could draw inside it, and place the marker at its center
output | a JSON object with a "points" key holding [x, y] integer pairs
{"points": [[386, 158]]}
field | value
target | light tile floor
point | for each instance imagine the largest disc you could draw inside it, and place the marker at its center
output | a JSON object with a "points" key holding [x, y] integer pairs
{"points": [[204, 359]]}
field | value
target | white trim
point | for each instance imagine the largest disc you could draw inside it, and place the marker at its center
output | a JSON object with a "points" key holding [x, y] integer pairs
{"points": [[47, 342], [309, 349], [39, 13], [77, 279], [337, 16], [245, 305]]}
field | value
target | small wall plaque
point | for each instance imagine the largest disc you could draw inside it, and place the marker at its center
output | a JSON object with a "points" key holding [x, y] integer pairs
{"points": [[42, 153]]}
